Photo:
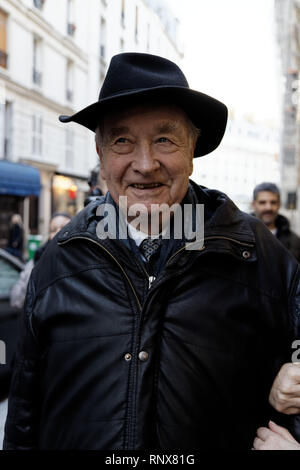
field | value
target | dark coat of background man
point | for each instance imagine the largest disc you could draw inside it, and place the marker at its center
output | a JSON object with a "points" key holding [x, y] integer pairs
{"points": [[176, 352], [266, 205]]}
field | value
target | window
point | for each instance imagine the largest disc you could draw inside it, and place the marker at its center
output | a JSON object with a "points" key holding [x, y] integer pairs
{"points": [[3, 36], [123, 13], [71, 26], [148, 37], [69, 80], [37, 61], [103, 39], [136, 23], [291, 201], [69, 148], [39, 3], [102, 75], [37, 134], [33, 215], [8, 110]]}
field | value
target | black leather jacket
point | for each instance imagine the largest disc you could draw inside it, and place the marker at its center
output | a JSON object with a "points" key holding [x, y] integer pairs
{"points": [[214, 329], [287, 237]]}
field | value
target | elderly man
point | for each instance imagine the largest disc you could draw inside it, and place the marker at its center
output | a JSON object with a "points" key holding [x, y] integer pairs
{"points": [[153, 342]]}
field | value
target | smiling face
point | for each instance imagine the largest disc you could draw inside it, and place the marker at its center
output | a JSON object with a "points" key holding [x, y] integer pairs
{"points": [[146, 153]]}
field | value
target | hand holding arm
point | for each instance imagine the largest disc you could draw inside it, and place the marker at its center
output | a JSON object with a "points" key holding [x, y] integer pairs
{"points": [[285, 392]]}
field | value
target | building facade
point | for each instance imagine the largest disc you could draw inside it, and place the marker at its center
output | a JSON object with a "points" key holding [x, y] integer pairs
{"points": [[287, 14], [53, 57], [247, 156]]}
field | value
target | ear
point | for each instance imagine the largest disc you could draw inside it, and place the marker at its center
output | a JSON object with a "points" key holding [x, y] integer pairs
{"points": [[98, 150], [101, 161], [191, 168]]}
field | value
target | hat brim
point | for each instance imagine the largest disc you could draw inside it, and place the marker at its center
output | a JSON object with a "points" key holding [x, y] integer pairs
{"points": [[208, 114]]}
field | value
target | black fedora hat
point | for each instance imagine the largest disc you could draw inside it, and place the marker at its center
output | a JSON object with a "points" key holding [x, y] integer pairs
{"points": [[135, 76]]}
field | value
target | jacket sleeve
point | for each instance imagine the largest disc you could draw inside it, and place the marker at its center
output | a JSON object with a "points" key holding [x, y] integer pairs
{"points": [[21, 424]]}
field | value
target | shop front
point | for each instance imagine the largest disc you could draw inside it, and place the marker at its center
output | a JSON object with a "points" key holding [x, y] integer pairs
{"points": [[19, 194], [68, 194]]}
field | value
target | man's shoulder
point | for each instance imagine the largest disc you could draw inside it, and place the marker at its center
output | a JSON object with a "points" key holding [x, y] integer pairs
{"points": [[270, 246], [241, 222]]}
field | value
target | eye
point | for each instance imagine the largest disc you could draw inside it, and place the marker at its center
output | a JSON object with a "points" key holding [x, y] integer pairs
{"points": [[164, 140], [122, 140]]}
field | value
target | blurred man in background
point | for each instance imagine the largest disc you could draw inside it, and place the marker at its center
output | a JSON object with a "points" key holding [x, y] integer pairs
{"points": [[16, 237], [98, 186], [266, 205]]}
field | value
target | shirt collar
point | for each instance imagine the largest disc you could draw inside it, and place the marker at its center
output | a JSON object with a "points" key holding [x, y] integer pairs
{"points": [[139, 236]]}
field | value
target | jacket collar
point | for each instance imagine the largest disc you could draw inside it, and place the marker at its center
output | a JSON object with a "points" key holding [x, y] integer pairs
{"points": [[282, 224], [222, 217]]}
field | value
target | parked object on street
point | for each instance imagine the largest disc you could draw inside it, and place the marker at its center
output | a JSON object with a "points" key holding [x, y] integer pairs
{"points": [[10, 268]]}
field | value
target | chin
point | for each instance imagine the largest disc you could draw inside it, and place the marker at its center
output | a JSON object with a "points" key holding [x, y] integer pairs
{"points": [[268, 222]]}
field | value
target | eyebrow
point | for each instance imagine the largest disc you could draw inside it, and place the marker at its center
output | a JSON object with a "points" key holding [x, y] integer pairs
{"points": [[166, 127], [163, 128], [115, 131]]}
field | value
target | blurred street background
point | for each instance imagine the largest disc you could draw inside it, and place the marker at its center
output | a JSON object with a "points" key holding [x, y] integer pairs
{"points": [[54, 55]]}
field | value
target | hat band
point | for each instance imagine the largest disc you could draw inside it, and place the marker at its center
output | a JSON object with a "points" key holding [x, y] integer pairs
{"points": [[135, 90]]}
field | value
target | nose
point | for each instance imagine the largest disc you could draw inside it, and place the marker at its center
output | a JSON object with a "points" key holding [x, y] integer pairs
{"points": [[145, 161], [268, 206]]}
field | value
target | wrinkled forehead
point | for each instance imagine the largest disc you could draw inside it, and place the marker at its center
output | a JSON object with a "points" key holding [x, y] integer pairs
{"points": [[162, 113]]}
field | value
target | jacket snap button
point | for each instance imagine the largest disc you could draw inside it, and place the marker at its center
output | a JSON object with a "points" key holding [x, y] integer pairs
{"points": [[127, 357], [246, 254], [143, 356]]}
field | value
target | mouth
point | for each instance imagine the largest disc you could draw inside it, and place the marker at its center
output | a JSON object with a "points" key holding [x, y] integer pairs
{"points": [[146, 185]]}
